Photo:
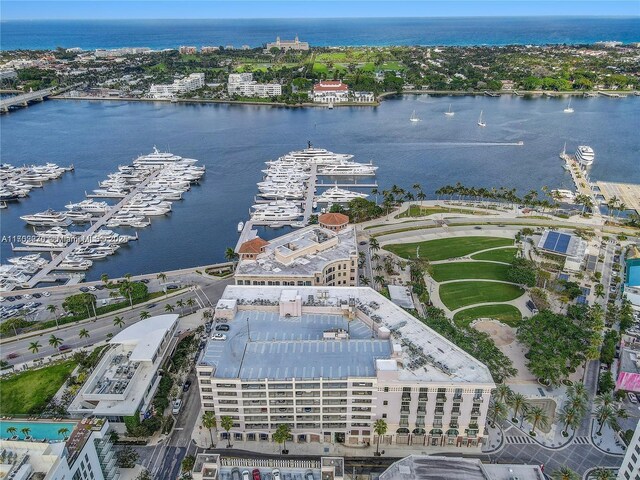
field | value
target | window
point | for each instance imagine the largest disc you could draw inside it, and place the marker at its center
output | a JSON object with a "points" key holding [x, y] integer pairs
{"points": [[384, 415], [386, 389], [385, 402]]}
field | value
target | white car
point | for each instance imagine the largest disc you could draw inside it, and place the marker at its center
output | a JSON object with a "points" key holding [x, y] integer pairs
{"points": [[177, 405], [46, 294], [26, 296], [632, 397], [92, 288], [245, 475], [218, 336], [275, 474]]}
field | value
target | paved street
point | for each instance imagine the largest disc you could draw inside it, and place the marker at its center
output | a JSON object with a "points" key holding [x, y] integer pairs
{"points": [[99, 329]]}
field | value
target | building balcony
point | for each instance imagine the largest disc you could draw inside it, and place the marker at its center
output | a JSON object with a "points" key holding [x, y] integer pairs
{"points": [[257, 426], [423, 397], [336, 402], [254, 395], [334, 409], [406, 397], [475, 411], [478, 399]]}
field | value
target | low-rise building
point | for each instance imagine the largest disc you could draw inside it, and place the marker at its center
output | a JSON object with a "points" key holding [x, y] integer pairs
{"points": [[330, 91], [628, 378], [125, 380], [205, 49], [190, 83], [187, 50], [86, 455], [568, 245], [243, 84], [330, 361], [313, 255], [287, 45]]}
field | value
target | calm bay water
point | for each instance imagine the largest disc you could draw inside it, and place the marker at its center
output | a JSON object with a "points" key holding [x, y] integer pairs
{"points": [[157, 34], [234, 141]]}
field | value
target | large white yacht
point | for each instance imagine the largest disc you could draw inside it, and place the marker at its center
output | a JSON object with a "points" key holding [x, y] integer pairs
{"points": [[339, 195], [90, 206], [128, 220], [48, 218], [160, 158], [319, 156], [276, 215], [278, 204], [72, 262], [585, 155], [347, 168]]}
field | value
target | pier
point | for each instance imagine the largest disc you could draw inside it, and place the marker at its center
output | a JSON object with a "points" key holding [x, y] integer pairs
{"points": [[581, 182], [43, 274]]}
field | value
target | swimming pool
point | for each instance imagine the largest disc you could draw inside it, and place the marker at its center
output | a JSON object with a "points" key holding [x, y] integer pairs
{"points": [[37, 430], [633, 272]]}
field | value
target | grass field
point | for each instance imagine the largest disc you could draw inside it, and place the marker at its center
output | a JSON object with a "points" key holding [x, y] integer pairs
{"points": [[502, 255], [30, 391], [444, 248], [419, 211], [462, 270], [461, 294], [503, 313]]}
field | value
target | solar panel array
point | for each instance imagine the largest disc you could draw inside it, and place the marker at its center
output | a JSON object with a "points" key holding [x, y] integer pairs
{"points": [[557, 242]]}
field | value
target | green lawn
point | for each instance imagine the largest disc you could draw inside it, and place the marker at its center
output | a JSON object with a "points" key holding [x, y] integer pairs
{"points": [[461, 270], [423, 211], [501, 255], [503, 313], [444, 248], [30, 391], [460, 294]]}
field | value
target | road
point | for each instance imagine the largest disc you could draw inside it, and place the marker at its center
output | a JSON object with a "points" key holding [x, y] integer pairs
{"points": [[99, 329]]}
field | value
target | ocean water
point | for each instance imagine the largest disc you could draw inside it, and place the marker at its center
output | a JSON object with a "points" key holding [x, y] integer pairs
{"points": [[233, 142], [157, 34]]}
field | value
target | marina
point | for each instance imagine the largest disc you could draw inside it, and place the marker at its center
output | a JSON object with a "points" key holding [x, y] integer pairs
{"points": [[144, 189], [17, 182]]}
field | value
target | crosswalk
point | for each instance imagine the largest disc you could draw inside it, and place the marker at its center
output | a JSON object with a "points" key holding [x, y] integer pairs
{"points": [[523, 440]]}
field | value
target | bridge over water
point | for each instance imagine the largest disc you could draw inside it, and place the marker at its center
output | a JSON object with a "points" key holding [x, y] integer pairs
{"points": [[24, 99]]}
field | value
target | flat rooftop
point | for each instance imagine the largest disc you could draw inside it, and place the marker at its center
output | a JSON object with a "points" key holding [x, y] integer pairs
{"points": [[627, 193], [287, 245], [426, 355], [629, 360], [422, 467], [262, 344], [562, 243]]}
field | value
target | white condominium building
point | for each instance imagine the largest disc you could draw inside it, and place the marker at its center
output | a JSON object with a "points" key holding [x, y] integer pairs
{"points": [[86, 455], [630, 468], [243, 84], [330, 361], [193, 82]]}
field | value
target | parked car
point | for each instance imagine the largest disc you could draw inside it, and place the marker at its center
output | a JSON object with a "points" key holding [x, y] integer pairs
{"points": [[46, 294], [256, 474], [145, 280], [171, 287], [245, 475], [64, 348], [177, 405], [276, 474], [632, 397], [185, 387], [218, 336], [222, 327], [235, 473], [309, 475], [13, 355], [84, 289], [37, 295]]}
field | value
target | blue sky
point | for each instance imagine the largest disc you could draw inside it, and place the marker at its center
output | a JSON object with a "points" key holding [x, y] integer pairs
{"points": [[105, 9]]}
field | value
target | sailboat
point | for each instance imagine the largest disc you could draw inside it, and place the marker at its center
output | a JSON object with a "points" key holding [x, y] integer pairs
{"points": [[481, 123], [450, 113], [568, 109], [414, 117]]}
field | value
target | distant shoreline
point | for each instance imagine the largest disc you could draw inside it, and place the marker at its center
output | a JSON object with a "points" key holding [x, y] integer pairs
{"points": [[381, 97]]}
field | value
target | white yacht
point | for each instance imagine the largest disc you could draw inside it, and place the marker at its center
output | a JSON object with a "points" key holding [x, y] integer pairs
{"points": [[108, 193], [72, 262], [48, 218], [56, 233], [79, 216], [319, 156], [128, 220], [563, 194], [48, 243], [348, 168], [240, 226], [33, 258], [585, 155], [282, 194], [160, 158], [449, 113], [275, 215], [278, 204], [90, 206], [339, 195]]}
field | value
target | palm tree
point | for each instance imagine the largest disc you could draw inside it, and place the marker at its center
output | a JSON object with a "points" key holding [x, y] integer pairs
{"points": [[226, 422], [609, 415], [105, 278], [497, 412], [180, 304], [209, 421], [118, 322], [565, 473], [578, 390], [190, 302], [518, 402], [63, 432], [604, 400], [144, 315], [380, 428], [599, 290], [169, 308], [364, 280], [378, 279], [230, 254], [54, 341], [570, 417], [12, 431], [34, 347], [84, 333], [52, 309], [26, 431], [502, 393], [162, 277], [127, 289], [536, 416], [374, 246]]}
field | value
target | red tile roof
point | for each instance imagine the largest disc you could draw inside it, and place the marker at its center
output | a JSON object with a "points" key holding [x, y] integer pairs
{"points": [[253, 246], [330, 86], [333, 219]]}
